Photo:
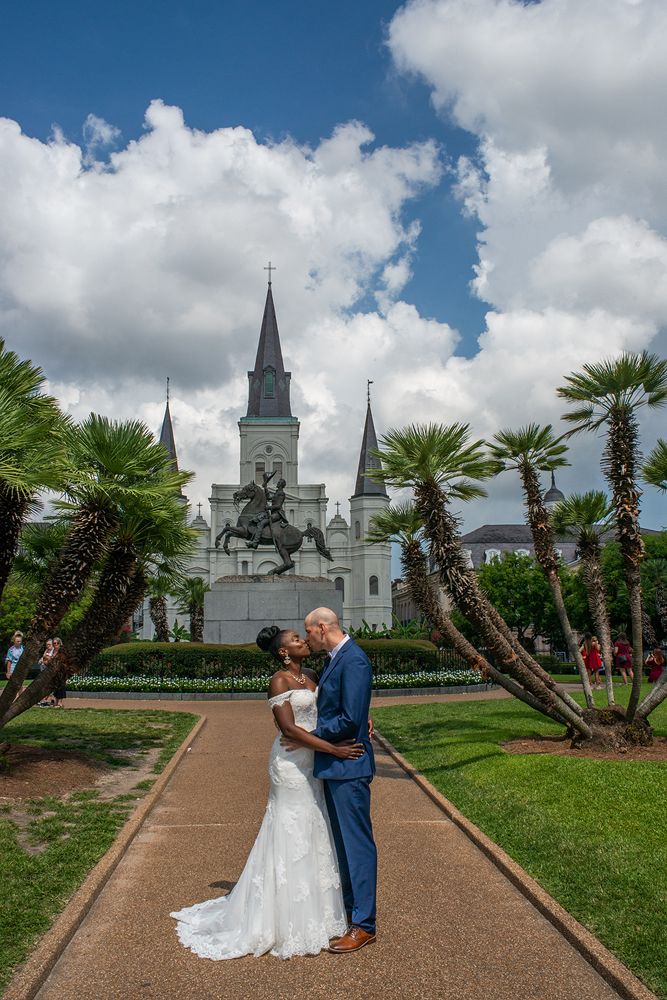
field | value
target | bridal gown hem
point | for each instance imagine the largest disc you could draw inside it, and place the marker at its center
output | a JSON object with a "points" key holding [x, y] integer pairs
{"points": [[288, 899]]}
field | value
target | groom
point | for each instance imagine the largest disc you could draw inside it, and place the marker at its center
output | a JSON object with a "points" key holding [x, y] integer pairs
{"points": [[343, 701]]}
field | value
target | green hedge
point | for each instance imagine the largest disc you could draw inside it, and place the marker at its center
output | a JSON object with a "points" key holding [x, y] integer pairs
{"points": [[556, 666], [208, 660]]}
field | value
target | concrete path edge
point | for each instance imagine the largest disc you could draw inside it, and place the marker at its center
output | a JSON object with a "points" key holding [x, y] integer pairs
{"points": [[617, 975], [31, 976]]}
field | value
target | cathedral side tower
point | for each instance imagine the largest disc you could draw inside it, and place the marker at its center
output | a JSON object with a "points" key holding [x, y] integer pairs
{"points": [[370, 597]]}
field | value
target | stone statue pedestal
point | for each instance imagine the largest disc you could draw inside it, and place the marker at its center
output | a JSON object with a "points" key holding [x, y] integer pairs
{"points": [[237, 607]]}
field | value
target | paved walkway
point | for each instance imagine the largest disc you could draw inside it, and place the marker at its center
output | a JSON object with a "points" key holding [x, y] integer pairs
{"points": [[450, 925]]}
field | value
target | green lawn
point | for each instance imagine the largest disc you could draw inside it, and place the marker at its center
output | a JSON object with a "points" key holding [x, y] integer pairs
{"points": [[49, 845], [592, 832]]}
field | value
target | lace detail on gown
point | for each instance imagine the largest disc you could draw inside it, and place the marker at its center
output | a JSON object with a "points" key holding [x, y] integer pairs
{"points": [[288, 899]]}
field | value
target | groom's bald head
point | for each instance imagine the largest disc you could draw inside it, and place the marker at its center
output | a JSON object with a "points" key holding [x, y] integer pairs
{"points": [[323, 629]]}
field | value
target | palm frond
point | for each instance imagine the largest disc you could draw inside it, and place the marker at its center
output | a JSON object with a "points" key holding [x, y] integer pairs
{"points": [[396, 523], [532, 445], [654, 469], [436, 453]]}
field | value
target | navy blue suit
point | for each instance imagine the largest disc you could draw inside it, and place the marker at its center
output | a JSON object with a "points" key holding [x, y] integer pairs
{"points": [[343, 701]]}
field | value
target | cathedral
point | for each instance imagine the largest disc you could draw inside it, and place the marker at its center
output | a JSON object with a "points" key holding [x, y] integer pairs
{"points": [[269, 443]]}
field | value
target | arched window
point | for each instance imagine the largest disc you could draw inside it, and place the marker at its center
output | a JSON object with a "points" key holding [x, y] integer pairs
{"points": [[357, 529], [491, 555], [269, 383], [339, 584], [278, 469], [522, 552], [260, 469], [244, 568], [373, 586], [467, 555]]}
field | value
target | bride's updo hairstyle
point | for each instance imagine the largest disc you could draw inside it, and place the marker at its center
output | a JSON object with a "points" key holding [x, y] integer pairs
{"points": [[270, 639]]}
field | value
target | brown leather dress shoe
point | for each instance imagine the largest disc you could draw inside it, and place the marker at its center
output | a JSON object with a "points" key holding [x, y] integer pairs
{"points": [[355, 939]]}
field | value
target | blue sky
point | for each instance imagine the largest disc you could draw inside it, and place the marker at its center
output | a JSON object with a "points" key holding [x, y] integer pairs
{"points": [[296, 67], [526, 144]]}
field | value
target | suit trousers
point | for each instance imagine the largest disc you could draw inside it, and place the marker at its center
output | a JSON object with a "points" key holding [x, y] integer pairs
{"points": [[349, 806]]}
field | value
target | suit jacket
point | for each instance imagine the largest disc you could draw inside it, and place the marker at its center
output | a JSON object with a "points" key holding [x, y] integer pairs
{"points": [[343, 701]]}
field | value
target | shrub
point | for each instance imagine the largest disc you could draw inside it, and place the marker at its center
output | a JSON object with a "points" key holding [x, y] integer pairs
{"points": [[554, 665], [213, 661]]}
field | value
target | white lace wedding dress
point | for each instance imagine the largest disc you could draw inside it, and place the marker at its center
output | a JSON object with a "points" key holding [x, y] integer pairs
{"points": [[288, 899]]}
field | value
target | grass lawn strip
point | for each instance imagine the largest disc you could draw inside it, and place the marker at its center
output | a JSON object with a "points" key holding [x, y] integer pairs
{"points": [[593, 833], [49, 844]]}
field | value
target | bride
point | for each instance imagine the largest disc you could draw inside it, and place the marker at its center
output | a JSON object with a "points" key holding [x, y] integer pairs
{"points": [[288, 898]]}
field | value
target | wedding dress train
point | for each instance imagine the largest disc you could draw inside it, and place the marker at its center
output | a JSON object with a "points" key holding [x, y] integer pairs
{"points": [[288, 899]]}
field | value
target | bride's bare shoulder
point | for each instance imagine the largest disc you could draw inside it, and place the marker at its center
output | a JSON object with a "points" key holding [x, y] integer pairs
{"points": [[278, 684]]}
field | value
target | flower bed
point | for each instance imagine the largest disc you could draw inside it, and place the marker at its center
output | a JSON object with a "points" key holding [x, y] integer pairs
{"points": [[214, 685]]}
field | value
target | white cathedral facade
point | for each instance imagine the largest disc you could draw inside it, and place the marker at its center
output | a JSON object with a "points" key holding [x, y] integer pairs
{"points": [[269, 442]]}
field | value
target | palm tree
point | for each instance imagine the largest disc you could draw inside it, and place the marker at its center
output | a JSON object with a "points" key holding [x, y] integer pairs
{"points": [[31, 449], [588, 516], [190, 594], [608, 394], [160, 587], [115, 463], [441, 465], [654, 469], [144, 534], [401, 523]]}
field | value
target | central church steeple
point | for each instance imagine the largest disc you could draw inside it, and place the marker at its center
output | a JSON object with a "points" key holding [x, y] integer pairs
{"points": [[269, 383], [269, 433]]}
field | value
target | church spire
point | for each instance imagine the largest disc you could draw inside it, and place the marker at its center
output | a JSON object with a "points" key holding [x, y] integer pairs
{"points": [[167, 434], [365, 485], [269, 383]]}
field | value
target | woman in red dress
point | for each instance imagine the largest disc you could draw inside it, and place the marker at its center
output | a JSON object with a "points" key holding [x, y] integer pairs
{"points": [[623, 657], [590, 652], [655, 664]]}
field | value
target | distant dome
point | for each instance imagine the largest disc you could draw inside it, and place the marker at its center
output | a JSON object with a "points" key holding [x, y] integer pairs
{"points": [[553, 494]]}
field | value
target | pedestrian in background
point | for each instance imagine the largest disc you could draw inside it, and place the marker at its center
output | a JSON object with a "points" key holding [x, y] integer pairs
{"points": [[14, 654], [655, 664], [623, 657], [59, 680]]}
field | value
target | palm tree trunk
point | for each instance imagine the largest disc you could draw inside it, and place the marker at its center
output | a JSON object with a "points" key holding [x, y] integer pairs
{"points": [[414, 564], [540, 527], [620, 466], [196, 622], [441, 529], [570, 640], [654, 698], [84, 546], [501, 625], [157, 608], [13, 512], [87, 640], [597, 604]]}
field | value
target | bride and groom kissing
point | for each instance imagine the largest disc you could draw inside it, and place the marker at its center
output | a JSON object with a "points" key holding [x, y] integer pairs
{"points": [[309, 883]]}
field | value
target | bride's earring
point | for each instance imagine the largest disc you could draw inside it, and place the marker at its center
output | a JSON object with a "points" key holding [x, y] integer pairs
{"points": [[286, 660]]}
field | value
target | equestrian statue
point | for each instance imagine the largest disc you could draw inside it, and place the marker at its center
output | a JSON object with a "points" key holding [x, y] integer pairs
{"points": [[262, 522]]}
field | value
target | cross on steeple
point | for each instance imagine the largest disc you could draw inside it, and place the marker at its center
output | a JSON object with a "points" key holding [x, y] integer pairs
{"points": [[167, 388], [337, 508], [269, 269], [198, 510], [369, 383]]}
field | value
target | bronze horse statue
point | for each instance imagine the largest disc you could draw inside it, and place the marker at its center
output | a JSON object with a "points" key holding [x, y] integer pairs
{"points": [[284, 537]]}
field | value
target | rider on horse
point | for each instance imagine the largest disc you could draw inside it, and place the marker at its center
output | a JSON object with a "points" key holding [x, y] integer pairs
{"points": [[273, 510]]}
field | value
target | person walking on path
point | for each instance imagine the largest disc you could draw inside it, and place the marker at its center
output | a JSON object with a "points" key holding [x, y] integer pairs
{"points": [[343, 702], [42, 663], [623, 657], [59, 679]]}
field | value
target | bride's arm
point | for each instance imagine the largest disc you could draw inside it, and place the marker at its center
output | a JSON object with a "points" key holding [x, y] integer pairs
{"points": [[284, 717]]}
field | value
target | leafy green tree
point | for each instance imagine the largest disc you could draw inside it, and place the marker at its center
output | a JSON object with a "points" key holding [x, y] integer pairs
{"points": [[518, 589], [608, 394]]}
